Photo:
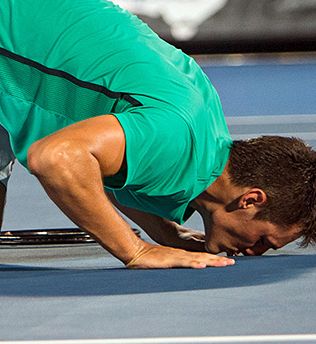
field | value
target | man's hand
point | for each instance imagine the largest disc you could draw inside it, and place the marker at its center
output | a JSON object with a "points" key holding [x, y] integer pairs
{"points": [[189, 239], [189, 234], [162, 257]]}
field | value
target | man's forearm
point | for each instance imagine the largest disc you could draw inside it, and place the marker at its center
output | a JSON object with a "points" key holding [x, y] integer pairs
{"points": [[157, 228], [161, 230], [65, 180]]}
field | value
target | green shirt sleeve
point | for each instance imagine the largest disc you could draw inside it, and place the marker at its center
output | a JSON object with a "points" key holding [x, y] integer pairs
{"points": [[161, 167]]}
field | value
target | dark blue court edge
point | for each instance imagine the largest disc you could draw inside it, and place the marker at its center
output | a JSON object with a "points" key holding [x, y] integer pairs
{"points": [[69, 77]]}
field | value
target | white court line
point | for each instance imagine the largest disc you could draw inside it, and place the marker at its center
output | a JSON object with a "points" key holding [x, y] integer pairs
{"points": [[289, 338], [270, 119]]}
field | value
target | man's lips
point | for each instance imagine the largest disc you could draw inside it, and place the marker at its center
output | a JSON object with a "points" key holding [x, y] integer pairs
{"points": [[229, 251]]}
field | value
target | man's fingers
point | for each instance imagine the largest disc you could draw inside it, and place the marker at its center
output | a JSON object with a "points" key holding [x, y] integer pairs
{"points": [[166, 257], [187, 234], [197, 265], [203, 260], [219, 261]]}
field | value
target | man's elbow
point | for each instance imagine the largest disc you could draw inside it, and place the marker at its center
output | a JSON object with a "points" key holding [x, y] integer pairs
{"points": [[45, 157]]}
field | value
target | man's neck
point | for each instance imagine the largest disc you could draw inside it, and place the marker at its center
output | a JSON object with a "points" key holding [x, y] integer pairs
{"points": [[221, 192]]}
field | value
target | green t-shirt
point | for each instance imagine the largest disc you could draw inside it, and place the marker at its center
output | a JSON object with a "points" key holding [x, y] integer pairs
{"points": [[63, 61]]}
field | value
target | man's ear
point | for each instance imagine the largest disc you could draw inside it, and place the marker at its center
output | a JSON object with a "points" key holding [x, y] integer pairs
{"points": [[252, 198]]}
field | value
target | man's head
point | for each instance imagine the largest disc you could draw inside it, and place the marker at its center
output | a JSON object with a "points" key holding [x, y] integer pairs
{"points": [[264, 199]]}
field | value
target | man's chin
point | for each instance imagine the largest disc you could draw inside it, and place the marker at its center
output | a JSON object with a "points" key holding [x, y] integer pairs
{"points": [[220, 250], [211, 249]]}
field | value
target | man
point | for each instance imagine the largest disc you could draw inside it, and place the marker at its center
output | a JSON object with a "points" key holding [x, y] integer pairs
{"points": [[92, 98]]}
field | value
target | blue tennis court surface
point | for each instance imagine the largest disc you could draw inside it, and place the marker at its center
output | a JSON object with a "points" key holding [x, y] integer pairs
{"points": [[81, 293]]}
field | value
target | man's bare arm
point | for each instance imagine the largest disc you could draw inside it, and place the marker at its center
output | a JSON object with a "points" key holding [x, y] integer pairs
{"points": [[71, 165], [163, 231]]}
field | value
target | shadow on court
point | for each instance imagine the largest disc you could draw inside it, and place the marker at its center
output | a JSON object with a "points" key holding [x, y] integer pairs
{"points": [[49, 282]]}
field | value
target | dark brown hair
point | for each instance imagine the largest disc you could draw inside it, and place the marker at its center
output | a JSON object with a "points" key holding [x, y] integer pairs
{"points": [[285, 168]]}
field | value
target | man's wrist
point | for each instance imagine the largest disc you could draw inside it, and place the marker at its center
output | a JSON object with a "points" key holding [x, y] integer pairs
{"points": [[136, 253], [146, 247]]}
